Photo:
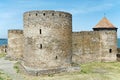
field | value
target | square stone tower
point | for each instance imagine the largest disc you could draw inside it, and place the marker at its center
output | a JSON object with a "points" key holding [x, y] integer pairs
{"points": [[108, 40]]}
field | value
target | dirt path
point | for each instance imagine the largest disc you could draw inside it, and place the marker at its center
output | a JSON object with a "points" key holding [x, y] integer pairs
{"points": [[7, 67]]}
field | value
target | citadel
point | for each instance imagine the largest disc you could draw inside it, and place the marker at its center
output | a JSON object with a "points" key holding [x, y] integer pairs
{"points": [[48, 45]]}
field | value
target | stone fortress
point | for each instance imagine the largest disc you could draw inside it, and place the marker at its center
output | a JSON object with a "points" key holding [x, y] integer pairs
{"points": [[48, 45]]}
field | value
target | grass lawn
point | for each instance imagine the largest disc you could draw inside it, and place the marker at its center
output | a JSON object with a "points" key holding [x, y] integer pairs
{"points": [[89, 71], [2, 55], [4, 76]]}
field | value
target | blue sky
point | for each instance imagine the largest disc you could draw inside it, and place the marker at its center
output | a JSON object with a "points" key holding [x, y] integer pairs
{"points": [[86, 13]]}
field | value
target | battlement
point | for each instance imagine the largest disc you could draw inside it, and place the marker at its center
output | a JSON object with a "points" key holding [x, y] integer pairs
{"points": [[15, 31], [47, 13], [107, 32], [85, 33], [93, 32]]}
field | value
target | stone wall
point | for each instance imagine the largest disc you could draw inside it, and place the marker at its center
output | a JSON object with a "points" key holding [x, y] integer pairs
{"points": [[118, 49], [85, 46], [3, 49], [15, 44], [48, 38], [47, 44], [89, 46], [118, 54], [108, 45]]}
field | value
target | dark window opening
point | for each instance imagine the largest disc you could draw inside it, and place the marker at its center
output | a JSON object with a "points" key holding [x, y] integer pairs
{"points": [[43, 14], [29, 15], [40, 46], [52, 14], [56, 57], [59, 14], [110, 50], [36, 14], [118, 55], [40, 31]]}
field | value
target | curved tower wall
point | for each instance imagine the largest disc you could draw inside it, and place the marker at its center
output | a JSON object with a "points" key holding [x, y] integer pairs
{"points": [[15, 44], [48, 38]]}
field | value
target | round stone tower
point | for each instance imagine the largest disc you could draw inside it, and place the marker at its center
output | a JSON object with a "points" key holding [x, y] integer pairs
{"points": [[48, 38]]}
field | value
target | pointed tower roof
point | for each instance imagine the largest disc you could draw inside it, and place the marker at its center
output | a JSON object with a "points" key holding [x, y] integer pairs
{"points": [[104, 23]]}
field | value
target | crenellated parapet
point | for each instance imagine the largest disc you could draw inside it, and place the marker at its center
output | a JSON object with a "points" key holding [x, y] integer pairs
{"points": [[47, 14], [15, 31]]}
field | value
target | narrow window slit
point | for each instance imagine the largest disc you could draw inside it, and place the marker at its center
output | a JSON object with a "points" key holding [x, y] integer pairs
{"points": [[59, 14], [36, 14], [52, 14], [40, 46], [110, 50], [43, 14], [40, 31], [56, 57]]}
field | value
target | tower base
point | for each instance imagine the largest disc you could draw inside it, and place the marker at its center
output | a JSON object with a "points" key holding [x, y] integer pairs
{"points": [[38, 72]]}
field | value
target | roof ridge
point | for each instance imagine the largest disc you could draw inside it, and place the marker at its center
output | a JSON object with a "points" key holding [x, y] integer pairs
{"points": [[104, 23]]}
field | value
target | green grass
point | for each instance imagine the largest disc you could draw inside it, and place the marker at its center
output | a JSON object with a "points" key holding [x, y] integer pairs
{"points": [[89, 71], [97, 67], [16, 67], [101, 71], [4, 76], [2, 55]]}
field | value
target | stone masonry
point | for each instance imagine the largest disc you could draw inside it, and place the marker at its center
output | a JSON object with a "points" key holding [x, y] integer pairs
{"points": [[48, 45], [86, 46], [89, 46], [15, 44], [3, 49], [47, 33]]}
